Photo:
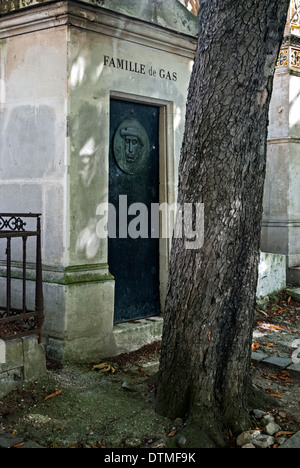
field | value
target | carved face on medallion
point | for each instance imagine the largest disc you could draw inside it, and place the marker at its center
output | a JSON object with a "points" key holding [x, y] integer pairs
{"points": [[131, 147]]}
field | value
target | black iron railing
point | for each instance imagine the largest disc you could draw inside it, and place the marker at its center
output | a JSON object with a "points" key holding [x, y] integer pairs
{"points": [[16, 322]]}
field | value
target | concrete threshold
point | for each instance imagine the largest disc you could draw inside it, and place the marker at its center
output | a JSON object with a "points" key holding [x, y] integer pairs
{"points": [[131, 336], [294, 293]]}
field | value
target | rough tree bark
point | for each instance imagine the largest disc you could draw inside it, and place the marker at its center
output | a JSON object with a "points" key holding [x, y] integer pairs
{"points": [[209, 312]]}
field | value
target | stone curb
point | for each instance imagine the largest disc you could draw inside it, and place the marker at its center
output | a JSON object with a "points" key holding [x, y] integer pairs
{"points": [[13, 441], [277, 363]]}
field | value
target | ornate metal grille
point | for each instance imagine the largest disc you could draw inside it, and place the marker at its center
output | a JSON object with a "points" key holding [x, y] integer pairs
{"points": [[18, 322]]}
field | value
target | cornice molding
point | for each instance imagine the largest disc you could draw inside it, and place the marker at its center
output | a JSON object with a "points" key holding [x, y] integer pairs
{"points": [[280, 223], [43, 16], [70, 13]]}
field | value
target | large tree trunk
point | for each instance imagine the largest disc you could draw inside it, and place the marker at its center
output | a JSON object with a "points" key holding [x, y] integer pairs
{"points": [[210, 304]]}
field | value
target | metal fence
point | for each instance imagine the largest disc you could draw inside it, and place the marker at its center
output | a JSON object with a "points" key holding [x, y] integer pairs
{"points": [[16, 322]]}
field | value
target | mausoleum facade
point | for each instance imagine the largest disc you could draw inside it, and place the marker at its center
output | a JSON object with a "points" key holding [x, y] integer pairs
{"points": [[92, 98]]}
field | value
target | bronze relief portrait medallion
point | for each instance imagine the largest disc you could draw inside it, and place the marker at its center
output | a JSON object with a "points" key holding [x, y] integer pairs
{"points": [[131, 147]]}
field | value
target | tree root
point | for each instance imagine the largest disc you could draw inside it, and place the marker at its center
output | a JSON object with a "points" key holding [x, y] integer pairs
{"points": [[258, 399], [199, 435]]}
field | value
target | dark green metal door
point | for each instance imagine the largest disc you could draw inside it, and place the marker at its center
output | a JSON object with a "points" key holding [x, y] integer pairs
{"points": [[133, 255]]}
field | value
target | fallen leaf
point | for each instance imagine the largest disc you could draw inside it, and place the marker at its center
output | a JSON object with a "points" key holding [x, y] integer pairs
{"points": [[105, 367], [283, 377], [276, 395], [267, 378], [262, 312], [173, 433], [283, 433], [286, 377], [18, 445], [58, 392], [101, 366], [255, 346], [162, 445], [275, 327]]}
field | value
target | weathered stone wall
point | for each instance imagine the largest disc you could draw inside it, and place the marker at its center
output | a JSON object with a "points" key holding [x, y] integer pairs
{"points": [[281, 222], [33, 133], [272, 274], [21, 360], [61, 63]]}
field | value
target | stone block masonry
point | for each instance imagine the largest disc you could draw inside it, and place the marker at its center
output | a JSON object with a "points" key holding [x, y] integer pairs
{"points": [[272, 274], [277, 363], [25, 360], [72, 59]]}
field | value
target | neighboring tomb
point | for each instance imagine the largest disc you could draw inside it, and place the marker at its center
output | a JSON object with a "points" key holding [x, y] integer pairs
{"points": [[281, 220]]}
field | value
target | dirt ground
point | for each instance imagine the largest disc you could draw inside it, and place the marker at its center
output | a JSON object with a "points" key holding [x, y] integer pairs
{"points": [[112, 407], [277, 328]]}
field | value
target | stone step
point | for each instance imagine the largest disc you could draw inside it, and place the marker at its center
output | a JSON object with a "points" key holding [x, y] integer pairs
{"points": [[131, 336], [294, 293], [278, 363], [293, 275], [293, 442]]}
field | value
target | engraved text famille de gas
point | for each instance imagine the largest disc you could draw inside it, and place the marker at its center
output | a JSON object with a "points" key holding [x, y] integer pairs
{"points": [[139, 68]]}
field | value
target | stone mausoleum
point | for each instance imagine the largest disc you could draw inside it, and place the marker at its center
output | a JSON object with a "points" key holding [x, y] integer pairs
{"points": [[92, 97], [86, 87]]}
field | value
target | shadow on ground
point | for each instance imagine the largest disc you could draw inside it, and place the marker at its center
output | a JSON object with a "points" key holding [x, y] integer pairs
{"points": [[76, 406]]}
